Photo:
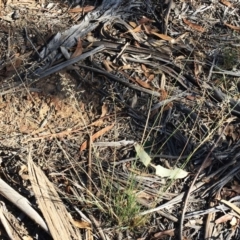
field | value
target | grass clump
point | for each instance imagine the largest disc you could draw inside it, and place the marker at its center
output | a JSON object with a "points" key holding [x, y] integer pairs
{"points": [[126, 207], [123, 206]]}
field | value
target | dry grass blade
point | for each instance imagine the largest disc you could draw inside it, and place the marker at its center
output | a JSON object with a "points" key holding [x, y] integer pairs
{"points": [[52, 208], [113, 144], [236, 28], [103, 236], [172, 202], [22, 203], [231, 205], [194, 26], [209, 223]]}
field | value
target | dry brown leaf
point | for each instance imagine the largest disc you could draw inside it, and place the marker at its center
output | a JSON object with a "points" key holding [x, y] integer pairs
{"points": [[108, 66], [104, 110], [164, 94], [226, 3], [78, 50], [194, 26], [96, 135], [135, 30], [132, 24], [125, 67], [232, 27], [168, 106], [142, 83], [224, 218], [144, 68], [164, 37], [163, 234], [146, 74], [99, 122], [79, 9], [151, 77], [81, 224]]}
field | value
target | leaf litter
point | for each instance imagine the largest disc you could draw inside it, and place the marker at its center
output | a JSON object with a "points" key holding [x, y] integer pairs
{"points": [[165, 77]]}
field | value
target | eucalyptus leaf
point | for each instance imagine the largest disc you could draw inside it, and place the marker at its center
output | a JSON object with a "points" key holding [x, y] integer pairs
{"points": [[143, 156], [170, 173]]}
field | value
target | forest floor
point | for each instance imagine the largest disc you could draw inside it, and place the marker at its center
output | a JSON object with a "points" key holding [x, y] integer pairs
{"points": [[120, 120]]}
